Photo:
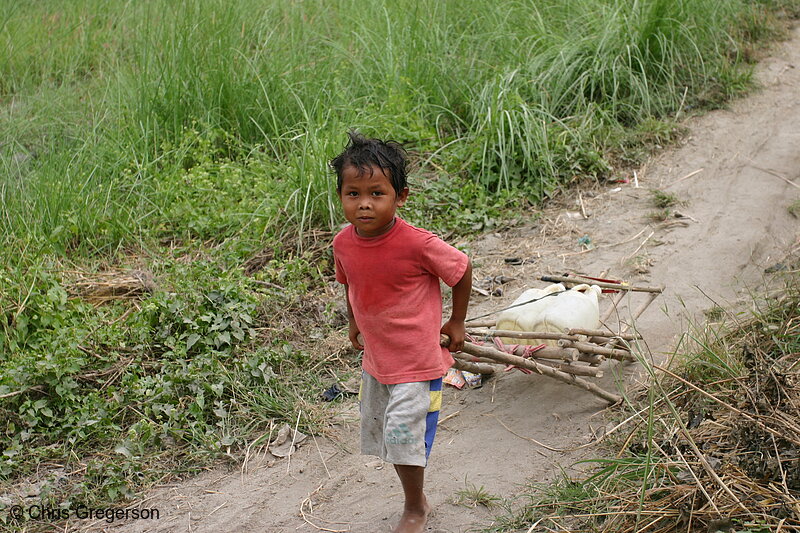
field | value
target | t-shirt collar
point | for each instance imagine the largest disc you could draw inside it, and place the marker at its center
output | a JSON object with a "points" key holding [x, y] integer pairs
{"points": [[380, 238]]}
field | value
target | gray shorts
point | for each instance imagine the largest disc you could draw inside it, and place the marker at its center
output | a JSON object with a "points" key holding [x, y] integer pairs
{"points": [[398, 422]]}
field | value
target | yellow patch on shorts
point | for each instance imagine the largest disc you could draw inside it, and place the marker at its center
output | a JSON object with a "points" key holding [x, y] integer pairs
{"points": [[436, 401]]}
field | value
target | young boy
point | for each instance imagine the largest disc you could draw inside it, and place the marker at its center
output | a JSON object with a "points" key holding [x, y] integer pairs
{"points": [[391, 272]]}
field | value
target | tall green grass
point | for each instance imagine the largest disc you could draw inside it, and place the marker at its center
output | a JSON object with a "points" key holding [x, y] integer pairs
{"points": [[98, 97]]}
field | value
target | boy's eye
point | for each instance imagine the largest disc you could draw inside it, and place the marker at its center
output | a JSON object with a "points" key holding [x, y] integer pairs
{"points": [[352, 193], [377, 193]]}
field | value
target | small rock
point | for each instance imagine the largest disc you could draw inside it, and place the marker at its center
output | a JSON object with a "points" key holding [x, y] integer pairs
{"points": [[777, 267]]}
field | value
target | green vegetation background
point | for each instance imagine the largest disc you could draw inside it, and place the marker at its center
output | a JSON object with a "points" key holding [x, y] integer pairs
{"points": [[191, 139]]}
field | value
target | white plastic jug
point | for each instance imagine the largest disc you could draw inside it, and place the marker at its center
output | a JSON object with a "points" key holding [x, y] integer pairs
{"points": [[574, 308], [525, 317]]}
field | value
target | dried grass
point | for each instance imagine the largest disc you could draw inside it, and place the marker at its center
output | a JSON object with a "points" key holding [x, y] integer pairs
{"points": [[114, 284]]}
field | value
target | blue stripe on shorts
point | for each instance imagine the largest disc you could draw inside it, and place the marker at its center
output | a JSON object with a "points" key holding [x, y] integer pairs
{"points": [[432, 419]]}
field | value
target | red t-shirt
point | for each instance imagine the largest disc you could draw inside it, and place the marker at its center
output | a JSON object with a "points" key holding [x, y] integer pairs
{"points": [[393, 285]]}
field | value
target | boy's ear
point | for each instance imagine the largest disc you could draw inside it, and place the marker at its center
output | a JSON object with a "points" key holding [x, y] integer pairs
{"points": [[402, 197]]}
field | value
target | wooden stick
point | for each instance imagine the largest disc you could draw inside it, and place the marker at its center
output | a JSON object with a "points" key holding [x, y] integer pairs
{"points": [[575, 370], [636, 314], [629, 239], [583, 208], [787, 180], [576, 280], [586, 347], [614, 303], [475, 368], [472, 359], [491, 353], [593, 359], [551, 336], [603, 340], [549, 352], [602, 333], [528, 334], [687, 176], [636, 251], [642, 308], [565, 355], [23, 391], [544, 335]]}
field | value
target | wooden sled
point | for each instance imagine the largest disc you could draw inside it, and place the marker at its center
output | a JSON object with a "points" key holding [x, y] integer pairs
{"points": [[579, 353]]}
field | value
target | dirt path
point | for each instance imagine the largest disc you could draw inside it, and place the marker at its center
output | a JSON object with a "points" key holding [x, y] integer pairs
{"points": [[737, 226]]}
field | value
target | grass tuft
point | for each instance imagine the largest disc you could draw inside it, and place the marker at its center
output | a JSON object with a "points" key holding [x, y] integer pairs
{"points": [[794, 208], [473, 496], [663, 200]]}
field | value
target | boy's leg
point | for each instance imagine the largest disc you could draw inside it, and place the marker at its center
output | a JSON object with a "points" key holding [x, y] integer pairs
{"points": [[398, 423], [416, 508], [414, 407]]}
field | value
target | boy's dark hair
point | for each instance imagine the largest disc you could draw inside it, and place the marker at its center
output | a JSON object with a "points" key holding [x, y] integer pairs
{"points": [[364, 153]]}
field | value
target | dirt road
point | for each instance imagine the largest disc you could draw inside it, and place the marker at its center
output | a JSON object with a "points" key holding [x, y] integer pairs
{"points": [[730, 173]]}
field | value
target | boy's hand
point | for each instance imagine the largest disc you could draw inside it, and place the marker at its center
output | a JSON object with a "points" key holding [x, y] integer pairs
{"points": [[455, 328], [457, 331], [353, 327], [354, 334]]}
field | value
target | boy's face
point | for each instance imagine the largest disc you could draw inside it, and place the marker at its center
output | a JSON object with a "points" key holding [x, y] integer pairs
{"points": [[369, 201]]}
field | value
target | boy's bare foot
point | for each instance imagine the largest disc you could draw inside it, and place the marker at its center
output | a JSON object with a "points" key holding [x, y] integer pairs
{"points": [[413, 520]]}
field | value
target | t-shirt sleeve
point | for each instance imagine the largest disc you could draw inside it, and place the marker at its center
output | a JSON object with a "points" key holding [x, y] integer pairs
{"points": [[443, 260], [341, 277]]}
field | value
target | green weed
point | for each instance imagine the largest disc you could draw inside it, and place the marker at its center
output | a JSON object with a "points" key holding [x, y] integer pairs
{"points": [[473, 496], [794, 208], [180, 382], [662, 215], [664, 200]]}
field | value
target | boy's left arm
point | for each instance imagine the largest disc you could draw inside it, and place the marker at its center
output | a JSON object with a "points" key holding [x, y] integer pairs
{"points": [[455, 328]]}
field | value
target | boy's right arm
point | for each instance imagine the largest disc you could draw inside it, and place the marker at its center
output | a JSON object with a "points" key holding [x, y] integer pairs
{"points": [[353, 327]]}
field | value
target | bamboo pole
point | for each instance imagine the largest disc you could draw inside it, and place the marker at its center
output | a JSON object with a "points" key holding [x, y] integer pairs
{"points": [[491, 353], [475, 368], [576, 280], [586, 347]]}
